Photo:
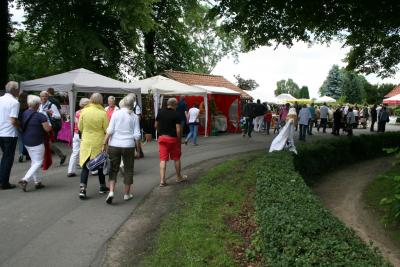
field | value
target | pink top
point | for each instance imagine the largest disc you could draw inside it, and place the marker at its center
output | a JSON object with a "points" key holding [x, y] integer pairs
{"points": [[110, 111], [77, 115]]}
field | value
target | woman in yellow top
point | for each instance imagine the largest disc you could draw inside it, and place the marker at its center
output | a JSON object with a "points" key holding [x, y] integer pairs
{"points": [[93, 123]]}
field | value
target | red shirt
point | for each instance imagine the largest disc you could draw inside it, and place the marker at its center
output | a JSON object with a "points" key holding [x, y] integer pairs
{"points": [[77, 115], [110, 111], [268, 117]]}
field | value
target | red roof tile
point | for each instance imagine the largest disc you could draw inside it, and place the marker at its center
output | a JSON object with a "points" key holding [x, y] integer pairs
{"points": [[193, 78], [395, 91]]}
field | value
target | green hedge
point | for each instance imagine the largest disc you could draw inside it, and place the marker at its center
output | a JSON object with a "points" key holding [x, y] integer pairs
{"points": [[296, 230], [319, 157]]}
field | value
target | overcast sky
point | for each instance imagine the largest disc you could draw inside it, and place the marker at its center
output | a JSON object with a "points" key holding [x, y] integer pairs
{"points": [[305, 65]]}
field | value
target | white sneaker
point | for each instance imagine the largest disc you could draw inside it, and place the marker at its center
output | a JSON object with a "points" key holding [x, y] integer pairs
{"points": [[110, 197], [128, 197]]}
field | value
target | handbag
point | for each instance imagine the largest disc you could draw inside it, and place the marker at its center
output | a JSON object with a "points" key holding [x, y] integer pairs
{"points": [[97, 162]]}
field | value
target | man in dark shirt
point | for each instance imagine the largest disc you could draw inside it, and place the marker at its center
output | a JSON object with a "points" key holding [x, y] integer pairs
{"points": [[374, 117], [249, 112], [168, 125]]}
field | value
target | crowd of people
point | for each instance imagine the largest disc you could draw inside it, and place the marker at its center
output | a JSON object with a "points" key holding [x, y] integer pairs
{"points": [[113, 130], [260, 117]]}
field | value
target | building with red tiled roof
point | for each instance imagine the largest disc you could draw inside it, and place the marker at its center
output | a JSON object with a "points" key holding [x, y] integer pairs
{"points": [[395, 91], [194, 78]]}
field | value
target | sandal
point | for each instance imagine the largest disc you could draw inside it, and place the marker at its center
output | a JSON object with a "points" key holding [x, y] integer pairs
{"points": [[182, 179], [163, 184]]}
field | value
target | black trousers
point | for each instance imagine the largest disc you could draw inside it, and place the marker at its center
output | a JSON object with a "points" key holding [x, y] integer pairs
{"points": [[8, 146]]}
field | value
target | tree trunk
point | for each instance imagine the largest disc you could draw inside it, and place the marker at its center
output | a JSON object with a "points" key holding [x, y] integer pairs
{"points": [[4, 38]]}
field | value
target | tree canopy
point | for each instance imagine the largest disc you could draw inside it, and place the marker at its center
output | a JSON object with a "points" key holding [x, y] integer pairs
{"points": [[370, 28], [139, 38], [246, 84], [287, 87], [352, 87]]}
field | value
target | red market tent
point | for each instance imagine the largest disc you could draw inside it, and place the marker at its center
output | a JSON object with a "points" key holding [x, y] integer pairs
{"points": [[224, 107], [394, 100]]}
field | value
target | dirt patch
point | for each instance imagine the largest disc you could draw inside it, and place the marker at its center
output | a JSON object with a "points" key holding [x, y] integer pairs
{"points": [[135, 237], [341, 192], [244, 223]]}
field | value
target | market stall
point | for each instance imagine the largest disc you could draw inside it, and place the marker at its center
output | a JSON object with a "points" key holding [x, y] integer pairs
{"points": [[224, 107], [159, 86], [79, 80]]}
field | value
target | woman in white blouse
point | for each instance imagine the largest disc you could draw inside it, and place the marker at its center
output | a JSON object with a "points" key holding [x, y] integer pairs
{"points": [[123, 133]]}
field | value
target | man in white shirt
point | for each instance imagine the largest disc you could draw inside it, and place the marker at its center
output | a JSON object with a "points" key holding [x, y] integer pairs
{"points": [[9, 109], [52, 113], [323, 113]]}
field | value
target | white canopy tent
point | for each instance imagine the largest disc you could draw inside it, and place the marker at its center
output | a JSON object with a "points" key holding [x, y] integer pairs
{"points": [[325, 99], [80, 80], [160, 86], [285, 97], [217, 90]]}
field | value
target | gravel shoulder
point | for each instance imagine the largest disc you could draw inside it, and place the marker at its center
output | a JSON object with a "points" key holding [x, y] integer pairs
{"points": [[341, 192]]}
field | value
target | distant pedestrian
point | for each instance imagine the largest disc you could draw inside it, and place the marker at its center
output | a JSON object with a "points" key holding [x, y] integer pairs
{"points": [[259, 116], [268, 120], [168, 125], [283, 112], [76, 141], [374, 117], [122, 136], [93, 123], [304, 119], [193, 120], [350, 120], [324, 114], [34, 127], [337, 120], [9, 108], [249, 112], [383, 119], [313, 118]]}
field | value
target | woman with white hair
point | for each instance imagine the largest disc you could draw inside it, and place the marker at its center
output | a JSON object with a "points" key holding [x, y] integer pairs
{"points": [[93, 123], [34, 126], [76, 141], [122, 134], [111, 107]]}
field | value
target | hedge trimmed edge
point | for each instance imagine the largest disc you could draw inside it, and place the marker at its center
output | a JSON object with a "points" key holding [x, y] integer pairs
{"points": [[296, 230]]}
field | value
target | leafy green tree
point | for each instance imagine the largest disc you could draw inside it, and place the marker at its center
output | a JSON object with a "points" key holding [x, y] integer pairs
{"points": [[246, 84], [352, 87], [332, 86], [183, 38], [27, 60], [96, 35], [304, 93], [287, 87], [370, 28]]}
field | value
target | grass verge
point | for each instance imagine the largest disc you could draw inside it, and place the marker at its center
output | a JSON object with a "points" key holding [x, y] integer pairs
{"points": [[201, 232], [380, 188]]}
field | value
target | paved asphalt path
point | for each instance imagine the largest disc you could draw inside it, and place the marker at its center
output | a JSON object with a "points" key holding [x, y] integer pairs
{"points": [[53, 227]]}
